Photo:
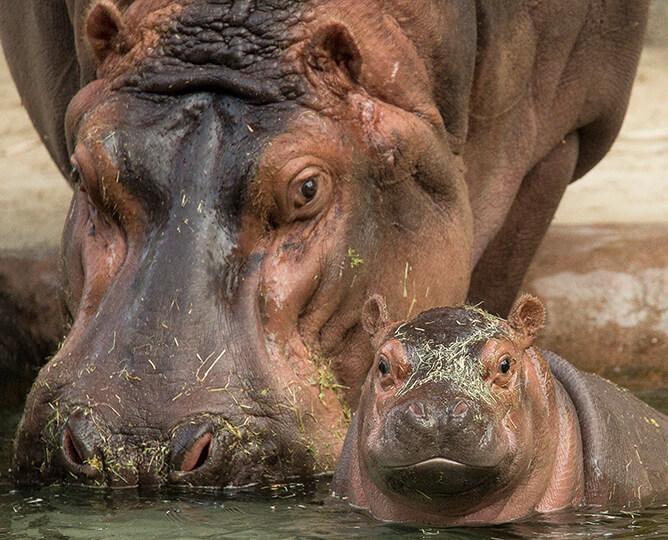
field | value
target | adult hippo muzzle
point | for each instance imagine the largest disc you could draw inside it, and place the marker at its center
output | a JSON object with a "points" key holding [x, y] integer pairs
{"points": [[229, 216]]}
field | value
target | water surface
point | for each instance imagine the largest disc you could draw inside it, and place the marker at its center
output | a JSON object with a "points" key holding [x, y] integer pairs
{"points": [[296, 511]]}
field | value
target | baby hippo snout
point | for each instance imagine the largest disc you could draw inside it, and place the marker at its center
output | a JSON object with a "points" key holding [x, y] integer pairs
{"points": [[427, 426]]}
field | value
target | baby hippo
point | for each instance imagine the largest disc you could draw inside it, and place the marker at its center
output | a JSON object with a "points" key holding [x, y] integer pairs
{"points": [[462, 421]]}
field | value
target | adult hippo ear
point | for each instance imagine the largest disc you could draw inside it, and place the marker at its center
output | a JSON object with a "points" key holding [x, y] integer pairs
{"points": [[374, 317], [334, 56], [106, 31], [527, 318]]}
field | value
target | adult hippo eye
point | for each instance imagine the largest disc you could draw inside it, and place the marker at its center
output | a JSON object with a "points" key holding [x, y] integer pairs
{"points": [[504, 365], [305, 188], [383, 366], [76, 172], [307, 194], [309, 188]]}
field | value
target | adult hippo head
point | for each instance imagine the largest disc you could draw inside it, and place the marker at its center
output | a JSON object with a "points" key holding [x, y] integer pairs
{"points": [[243, 179]]}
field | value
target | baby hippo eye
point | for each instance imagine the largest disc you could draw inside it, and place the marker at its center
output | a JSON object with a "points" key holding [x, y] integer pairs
{"points": [[383, 366], [309, 188], [504, 364]]}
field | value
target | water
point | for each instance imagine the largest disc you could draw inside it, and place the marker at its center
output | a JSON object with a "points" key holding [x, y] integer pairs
{"points": [[297, 511]]}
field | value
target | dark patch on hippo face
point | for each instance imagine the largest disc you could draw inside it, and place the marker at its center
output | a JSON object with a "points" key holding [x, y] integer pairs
{"points": [[236, 194], [444, 410]]}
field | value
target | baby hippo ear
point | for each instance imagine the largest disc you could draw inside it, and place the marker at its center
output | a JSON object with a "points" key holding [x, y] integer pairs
{"points": [[106, 31], [374, 315], [527, 316]]}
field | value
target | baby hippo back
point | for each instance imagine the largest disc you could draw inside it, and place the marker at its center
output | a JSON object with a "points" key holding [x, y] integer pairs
{"points": [[625, 441]]}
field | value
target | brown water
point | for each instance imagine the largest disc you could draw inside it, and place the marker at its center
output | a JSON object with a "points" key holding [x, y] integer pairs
{"points": [[297, 511]]}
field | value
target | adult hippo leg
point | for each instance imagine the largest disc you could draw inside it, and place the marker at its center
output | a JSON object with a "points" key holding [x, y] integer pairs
{"points": [[498, 275], [47, 75]]}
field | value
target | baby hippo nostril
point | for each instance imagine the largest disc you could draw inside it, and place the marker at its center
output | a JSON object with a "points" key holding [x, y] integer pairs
{"points": [[420, 416], [417, 409], [460, 409]]}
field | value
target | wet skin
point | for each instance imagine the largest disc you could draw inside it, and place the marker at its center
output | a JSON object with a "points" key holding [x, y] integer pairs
{"points": [[245, 174], [462, 422]]}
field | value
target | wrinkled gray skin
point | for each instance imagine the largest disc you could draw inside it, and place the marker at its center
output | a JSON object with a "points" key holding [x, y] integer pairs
{"points": [[206, 314]]}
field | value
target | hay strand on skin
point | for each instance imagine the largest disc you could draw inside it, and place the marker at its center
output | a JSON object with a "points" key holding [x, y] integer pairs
{"points": [[452, 362]]}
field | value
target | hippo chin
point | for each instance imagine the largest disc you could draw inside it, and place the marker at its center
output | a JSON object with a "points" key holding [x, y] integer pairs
{"points": [[462, 421]]}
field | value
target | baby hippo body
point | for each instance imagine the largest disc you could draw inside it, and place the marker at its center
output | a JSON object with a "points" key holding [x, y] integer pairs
{"points": [[462, 421]]}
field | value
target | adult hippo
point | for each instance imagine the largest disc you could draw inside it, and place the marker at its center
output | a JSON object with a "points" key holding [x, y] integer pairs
{"points": [[462, 421], [245, 173]]}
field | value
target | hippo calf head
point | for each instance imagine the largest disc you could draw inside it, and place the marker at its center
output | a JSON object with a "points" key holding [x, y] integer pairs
{"points": [[243, 178], [453, 412]]}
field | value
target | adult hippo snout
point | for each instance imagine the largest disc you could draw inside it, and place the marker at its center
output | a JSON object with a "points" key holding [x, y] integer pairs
{"points": [[198, 451]]}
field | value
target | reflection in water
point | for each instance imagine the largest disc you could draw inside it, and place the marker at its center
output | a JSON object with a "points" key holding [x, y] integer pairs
{"points": [[296, 511]]}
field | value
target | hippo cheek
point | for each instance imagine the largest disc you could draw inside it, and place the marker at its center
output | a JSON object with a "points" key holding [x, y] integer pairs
{"points": [[95, 249]]}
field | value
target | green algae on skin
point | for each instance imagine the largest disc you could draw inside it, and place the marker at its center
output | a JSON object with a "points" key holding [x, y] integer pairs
{"points": [[354, 258], [453, 362]]}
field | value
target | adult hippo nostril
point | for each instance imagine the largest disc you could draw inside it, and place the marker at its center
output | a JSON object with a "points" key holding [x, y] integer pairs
{"points": [[193, 447], [71, 450], [197, 455], [80, 447]]}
